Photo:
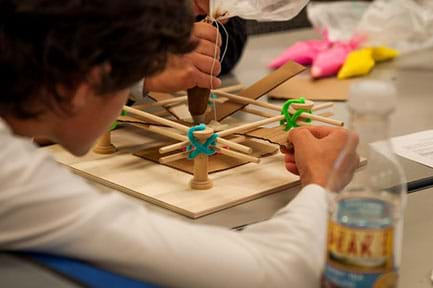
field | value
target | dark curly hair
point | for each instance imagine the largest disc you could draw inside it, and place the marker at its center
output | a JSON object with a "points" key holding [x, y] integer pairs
{"points": [[47, 43]]}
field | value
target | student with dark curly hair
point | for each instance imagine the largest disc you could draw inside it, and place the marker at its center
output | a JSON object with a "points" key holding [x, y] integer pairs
{"points": [[65, 69]]}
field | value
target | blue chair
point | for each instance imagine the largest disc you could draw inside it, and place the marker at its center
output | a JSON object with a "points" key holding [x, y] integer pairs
{"points": [[84, 273]]}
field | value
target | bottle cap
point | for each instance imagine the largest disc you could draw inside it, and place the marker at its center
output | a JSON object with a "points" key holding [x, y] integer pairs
{"points": [[372, 97]]}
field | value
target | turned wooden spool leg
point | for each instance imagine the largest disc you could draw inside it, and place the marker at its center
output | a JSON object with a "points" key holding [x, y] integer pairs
{"points": [[104, 145], [200, 180]]}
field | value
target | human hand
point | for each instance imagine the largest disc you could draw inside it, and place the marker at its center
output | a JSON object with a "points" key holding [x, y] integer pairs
{"points": [[315, 152], [200, 7], [195, 69]]}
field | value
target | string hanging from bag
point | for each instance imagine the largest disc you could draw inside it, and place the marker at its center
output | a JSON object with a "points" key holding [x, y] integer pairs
{"points": [[213, 19]]}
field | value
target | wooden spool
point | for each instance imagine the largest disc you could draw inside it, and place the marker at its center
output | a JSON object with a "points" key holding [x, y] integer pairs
{"points": [[104, 145], [201, 180]]}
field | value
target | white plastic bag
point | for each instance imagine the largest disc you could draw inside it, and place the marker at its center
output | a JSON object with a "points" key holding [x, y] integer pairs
{"points": [[405, 25], [339, 19], [261, 10]]}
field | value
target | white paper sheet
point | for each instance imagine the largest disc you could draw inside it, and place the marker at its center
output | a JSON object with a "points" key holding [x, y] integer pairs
{"points": [[417, 147]]}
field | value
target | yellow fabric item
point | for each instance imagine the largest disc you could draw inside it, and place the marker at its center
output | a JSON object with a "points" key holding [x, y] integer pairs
{"points": [[358, 63], [382, 53]]}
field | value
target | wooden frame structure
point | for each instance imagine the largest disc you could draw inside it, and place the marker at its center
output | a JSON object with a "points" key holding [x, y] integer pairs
{"points": [[223, 144], [128, 165]]}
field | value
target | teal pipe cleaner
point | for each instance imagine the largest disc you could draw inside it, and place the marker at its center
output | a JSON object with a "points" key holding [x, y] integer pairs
{"points": [[212, 96], [290, 119], [196, 146]]}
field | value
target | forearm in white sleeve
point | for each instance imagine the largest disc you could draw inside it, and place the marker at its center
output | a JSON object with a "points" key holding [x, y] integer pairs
{"points": [[58, 212]]}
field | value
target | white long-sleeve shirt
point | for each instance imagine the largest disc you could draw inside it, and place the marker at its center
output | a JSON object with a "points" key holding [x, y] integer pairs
{"points": [[44, 207]]}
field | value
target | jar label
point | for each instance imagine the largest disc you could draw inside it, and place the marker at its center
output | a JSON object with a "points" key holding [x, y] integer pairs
{"points": [[360, 257]]}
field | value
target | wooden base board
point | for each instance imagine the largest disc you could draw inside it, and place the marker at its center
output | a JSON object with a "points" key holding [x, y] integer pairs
{"points": [[168, 187]]}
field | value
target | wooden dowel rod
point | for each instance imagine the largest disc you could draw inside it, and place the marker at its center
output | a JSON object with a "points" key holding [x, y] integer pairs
{"points": [[220, 100], [174, 157], [250, 126], [239, 139], [234, 145], [230, 153], [224, 142], [170, 148], [160, 131], [173, 147], [322, 119], [162, 103], [302, 124], [322, 106], [165, 132], [245, 100], [326, 114], [237, 155], [162, 113], [181, 127], [151, 117], [257, 112], [172, 100], [229, 89]]}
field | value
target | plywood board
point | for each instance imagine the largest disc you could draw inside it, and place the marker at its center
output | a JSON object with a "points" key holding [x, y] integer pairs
{"points": [[328, 89], [168, 187]]}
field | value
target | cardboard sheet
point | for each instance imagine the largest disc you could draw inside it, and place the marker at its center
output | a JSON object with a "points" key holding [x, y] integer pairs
{"points": [[259, 89], [217, 162], [327, 89], [276, 135], [128, 119]]}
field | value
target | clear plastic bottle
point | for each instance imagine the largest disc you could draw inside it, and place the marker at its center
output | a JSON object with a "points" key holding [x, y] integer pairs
{"points": [[366, 216]]}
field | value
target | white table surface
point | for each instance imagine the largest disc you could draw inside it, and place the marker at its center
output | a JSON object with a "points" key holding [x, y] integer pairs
{"points": [[417, 254]]}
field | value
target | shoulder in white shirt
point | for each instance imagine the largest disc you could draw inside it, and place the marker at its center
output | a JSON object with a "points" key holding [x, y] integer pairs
{"points": [[43, 207]]}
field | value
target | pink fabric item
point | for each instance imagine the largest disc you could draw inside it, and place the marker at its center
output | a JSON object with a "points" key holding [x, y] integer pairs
{"points": [[329, 62], [302, 52]]}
